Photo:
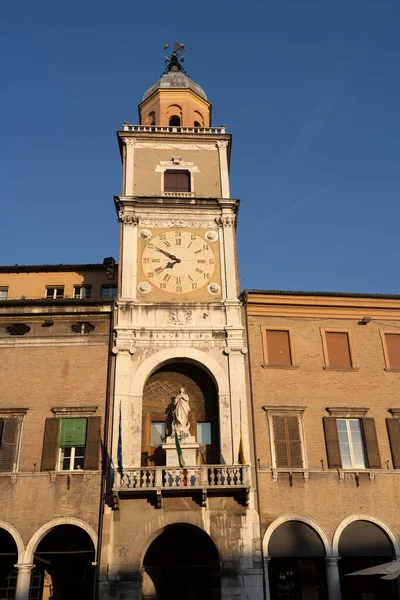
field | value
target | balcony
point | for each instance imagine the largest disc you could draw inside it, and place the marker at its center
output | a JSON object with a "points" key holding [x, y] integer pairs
{"points": [[169, 129], [203, 480]]}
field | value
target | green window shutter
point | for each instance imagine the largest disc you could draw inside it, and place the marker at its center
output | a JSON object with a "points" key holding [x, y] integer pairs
{"points": [[73, 433]]}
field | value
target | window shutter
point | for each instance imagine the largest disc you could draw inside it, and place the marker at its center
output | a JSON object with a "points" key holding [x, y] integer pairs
{"points": [[332, 443], [337, 344], [393, 349], [8, 444], [50, 444], [371, 442], [1, 429], [393, 427], [293, 430], [281, 450], [278, 347], [92, 444]]}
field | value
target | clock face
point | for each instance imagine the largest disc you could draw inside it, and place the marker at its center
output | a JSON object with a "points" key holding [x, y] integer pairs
{"points": [[178, 262]]}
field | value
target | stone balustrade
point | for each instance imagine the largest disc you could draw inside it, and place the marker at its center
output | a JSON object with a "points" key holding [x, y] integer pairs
{"points": [[205, 476], [169, 129]]}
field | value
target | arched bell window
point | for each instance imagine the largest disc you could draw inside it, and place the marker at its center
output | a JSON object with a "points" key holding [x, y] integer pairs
{"points": [[174, 121]]}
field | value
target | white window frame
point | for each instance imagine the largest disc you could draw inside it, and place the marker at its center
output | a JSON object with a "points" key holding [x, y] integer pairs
{"points": [[55, 288], [4, 289], [287, 411], [82, 291], [72, 459], [350, 442]]}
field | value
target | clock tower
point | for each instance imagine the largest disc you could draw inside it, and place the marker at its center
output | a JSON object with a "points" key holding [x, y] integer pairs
{"points": [[182, 519]]}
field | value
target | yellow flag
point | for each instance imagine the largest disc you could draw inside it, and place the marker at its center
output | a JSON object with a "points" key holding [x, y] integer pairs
{"points": [[242, 460]]}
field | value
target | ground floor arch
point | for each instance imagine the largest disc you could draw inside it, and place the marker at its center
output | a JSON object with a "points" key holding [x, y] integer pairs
{"points": [[8, 558], [182, 563], [296, 561], [62, 553], [361, 544]]}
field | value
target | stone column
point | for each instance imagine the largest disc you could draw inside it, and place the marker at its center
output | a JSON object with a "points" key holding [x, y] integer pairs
{"points": [[223, 167], [23, 581], [332, 576], [266, 578]]}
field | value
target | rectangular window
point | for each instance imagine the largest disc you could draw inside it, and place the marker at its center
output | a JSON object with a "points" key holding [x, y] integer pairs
{"points": [[55, 292], [109, 291], [351, 443], [204, 433], [337, 349], [82, 291], [392, 350], [287, 441], [157, 433], [72, 444], [176, 181], [3, 293], [8, 444], [278, 347]]}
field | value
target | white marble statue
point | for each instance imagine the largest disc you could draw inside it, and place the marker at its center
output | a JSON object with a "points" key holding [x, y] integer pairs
{"points": [[181, 412]]}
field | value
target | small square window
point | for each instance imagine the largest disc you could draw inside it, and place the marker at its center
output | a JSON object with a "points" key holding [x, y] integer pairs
{"points": [[3, 293], [55, 292], [176, 181], [82, 291], [278, 347], [204, 433], [157, 433], [109, 291]]}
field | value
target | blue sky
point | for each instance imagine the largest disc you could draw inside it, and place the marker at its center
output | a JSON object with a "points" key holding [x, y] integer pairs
{"points": [[309, 89]]}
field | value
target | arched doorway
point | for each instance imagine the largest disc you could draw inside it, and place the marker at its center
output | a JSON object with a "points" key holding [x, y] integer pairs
{"points": [[8, 558], [182, 563], [363, 544], [297, 565], [63, 565], [159, 391]]}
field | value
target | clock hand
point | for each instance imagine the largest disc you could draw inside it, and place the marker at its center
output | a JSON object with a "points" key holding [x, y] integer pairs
{"points": [[169, 265], [178, 260]]}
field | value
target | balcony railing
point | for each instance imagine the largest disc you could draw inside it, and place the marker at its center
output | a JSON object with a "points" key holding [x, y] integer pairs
{"points": [[169, 129], [169, 478]]}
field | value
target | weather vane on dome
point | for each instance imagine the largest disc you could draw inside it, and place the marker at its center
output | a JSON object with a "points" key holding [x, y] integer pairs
{"points": [[175, 60]]}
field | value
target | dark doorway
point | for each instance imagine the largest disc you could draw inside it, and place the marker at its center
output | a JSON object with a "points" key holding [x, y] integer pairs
{"points": [[363, 544], [65, 556], [181, 564], [297, 566], [175, 121], [8, 558]]}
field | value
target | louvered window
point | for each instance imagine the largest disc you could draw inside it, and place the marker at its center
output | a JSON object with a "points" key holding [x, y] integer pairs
{"points": [[8, 444], [71, 444], [393, 427], [287, 441]]}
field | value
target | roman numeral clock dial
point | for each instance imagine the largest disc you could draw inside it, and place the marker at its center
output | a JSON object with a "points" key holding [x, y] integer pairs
{"points": [[179, 262]]}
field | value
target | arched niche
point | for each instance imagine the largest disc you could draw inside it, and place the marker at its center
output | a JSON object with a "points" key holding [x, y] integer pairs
{"points": [[151, 118], [181, 562], [174, 115], [198, 120], [159, 392], [65, 557]]}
